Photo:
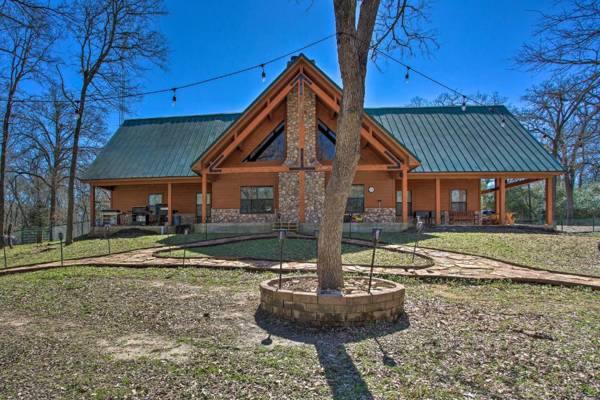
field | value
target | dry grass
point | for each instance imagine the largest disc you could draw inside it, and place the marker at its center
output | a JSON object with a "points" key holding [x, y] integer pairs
{"points": [[184, 333]]}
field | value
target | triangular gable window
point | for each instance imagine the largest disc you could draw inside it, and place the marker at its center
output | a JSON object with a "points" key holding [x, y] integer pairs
{"points": [[326, 142], [270, 149]]}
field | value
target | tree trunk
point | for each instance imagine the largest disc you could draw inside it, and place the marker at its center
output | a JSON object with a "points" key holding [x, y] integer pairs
{"points": [[73, 168], [53, 189], [569, 196], [3, 153], [353, 50]]}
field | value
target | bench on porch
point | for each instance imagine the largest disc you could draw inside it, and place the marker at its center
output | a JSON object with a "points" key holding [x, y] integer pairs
{"points": [[463, 216]]}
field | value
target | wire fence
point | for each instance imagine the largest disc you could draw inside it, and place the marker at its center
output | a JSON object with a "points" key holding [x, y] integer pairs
{"points": [[44, 234], [578, 225]]}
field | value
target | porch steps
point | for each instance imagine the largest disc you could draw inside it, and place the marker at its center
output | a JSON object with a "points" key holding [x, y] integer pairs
{"points": [[289, 226]]}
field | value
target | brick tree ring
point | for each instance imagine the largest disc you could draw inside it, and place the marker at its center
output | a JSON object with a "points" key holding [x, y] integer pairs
{"points": [[297, 301]]}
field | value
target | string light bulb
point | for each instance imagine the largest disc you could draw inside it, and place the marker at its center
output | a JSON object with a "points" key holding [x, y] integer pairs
{"points": [[503, 122], [407, 75], [174, 98], [464, 104], [263, 74]]}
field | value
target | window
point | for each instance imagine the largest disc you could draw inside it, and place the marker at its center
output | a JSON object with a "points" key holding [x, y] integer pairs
{"points": [[399, 202], [356, 201], [199, 207], [458, 200], [325, 142], [256, 200], [154, 199], [270, 149]]}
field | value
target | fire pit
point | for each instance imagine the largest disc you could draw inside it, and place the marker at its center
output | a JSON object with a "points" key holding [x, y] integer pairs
{"points": [[297, 301]]}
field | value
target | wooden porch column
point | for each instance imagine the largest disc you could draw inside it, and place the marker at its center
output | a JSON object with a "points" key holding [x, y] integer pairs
{"points": [[502, 200], [497, 196], [170, 204], [438, 202], [204, 196], [404, 192], [549, 202], [92, 206]]}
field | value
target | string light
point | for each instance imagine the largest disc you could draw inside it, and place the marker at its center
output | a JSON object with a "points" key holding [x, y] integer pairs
{"points": [[503, 122], [263, 77], [174, 98]]}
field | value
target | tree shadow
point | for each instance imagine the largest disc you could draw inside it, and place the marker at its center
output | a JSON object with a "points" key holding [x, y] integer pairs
{"points": [[342, 375]]}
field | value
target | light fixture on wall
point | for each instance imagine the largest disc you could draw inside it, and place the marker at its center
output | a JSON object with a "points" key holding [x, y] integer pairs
{"points": [[371, 189]]}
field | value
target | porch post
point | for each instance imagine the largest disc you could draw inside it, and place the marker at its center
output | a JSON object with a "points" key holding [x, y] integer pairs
{"points": [[92, 206], [497, 196], [502, 201], [170, 204], [404, 193], [549, 202], [204, 190], [438, 202]]}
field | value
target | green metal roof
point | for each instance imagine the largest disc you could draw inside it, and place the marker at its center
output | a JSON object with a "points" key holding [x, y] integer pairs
{"points": [[443, 139], [447, 139], [157, 147]]}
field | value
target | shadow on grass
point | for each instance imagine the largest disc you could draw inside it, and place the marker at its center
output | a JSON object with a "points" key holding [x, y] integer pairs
{"points": [[342, 375]]}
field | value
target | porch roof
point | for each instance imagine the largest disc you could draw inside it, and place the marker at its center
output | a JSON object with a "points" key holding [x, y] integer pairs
{"points": [[445, 139], [157, 147]]}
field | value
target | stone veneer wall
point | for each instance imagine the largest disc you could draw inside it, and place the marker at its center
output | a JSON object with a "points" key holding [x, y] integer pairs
{"points": [[383, 215], [289, 181], [288, 196], [292, 151], [314, 196], [229, 215], [310, 128]]}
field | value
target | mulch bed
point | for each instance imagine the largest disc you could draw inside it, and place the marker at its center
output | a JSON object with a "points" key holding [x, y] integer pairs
{"points": [[355, 285]]}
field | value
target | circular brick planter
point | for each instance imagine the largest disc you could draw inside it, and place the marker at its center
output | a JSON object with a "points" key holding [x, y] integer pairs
{"points": [[384, 303]]}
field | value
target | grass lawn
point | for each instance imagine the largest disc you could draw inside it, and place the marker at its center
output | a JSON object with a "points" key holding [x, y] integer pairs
{"points": [[297, 250], [191, 333], [50, 251], [577, 253]]}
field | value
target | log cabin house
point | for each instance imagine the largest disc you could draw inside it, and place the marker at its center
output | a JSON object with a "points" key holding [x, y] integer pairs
{"points": [[271, 162]]}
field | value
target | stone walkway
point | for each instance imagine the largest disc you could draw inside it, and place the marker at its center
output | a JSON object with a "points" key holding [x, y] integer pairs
{"points": [[446, 264]]}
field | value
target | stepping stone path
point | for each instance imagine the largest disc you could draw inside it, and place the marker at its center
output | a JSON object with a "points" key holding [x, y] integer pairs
{"points": [[446, 264]]}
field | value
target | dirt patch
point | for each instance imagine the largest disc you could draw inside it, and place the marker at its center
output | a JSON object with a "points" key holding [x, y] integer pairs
{"points": [[137, 346], [13, 321], [351, 285]]}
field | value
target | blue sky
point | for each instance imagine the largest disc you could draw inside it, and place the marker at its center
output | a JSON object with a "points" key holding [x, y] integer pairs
{"points": [[478, 40]]}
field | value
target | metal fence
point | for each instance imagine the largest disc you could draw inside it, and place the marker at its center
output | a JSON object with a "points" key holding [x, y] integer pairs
{"points": [[576, 225], [44, 234]]}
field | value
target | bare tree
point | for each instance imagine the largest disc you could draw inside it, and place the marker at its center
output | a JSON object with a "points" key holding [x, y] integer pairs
{"points": [[568, 41], [455, 99], [564, 115], [24, 52], [109, 35], [396, 24], [45, 134]]}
